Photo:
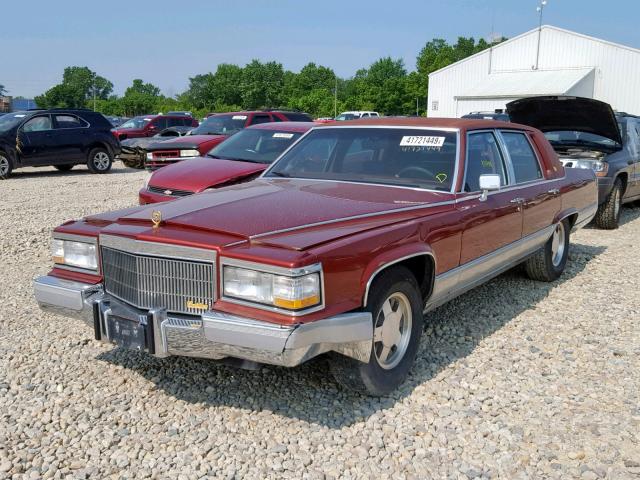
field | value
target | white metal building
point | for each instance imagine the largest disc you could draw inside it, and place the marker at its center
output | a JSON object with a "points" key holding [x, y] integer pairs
{"points": [[565, 63]]}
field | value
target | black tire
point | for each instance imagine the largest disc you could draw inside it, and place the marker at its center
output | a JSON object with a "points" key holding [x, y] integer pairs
{"points": [[608, 214], [546, 265], [396, 284], [99, 160], [63, 168], [6, 166]]}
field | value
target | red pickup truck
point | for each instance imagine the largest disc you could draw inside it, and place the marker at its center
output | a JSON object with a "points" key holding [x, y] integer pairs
{"points": [[341, 247]]}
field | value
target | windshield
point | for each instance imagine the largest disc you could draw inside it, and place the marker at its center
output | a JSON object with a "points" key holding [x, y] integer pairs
{"points": [[10, 120], [410, 157], [136, 122], [220, 125], [346, 116], [577, 138], [255, 145]]}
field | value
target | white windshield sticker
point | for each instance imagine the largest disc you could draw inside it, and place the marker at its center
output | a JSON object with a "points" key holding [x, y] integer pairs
{"points": [[283, 135], [147, 119], [19, 116], [421, 141], [239, 117]]}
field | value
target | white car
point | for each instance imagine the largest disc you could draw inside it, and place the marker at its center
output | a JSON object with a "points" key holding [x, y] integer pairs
{"points": [[356, 114]]}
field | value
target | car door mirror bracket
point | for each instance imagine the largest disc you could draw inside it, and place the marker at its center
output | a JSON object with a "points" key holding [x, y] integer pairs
{"points": [[487, 184]]}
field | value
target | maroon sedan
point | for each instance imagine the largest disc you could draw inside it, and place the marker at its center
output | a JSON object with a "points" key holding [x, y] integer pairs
{"points": [[213, 131], [242, 157], [149, 125]]}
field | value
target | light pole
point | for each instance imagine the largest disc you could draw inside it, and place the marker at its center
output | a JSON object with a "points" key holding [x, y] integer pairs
{"points": [[543, 3], [335, 99]]}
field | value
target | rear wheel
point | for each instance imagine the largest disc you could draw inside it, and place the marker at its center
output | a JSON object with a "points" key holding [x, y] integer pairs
{"points": [[548, 263], [99, 161], [608, 214], [396, 308], [5, 166], [63, 168]]}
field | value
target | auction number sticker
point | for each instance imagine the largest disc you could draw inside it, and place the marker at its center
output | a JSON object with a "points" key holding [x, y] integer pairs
{"points": [[239, 117], [421, 141], [283, 135]]}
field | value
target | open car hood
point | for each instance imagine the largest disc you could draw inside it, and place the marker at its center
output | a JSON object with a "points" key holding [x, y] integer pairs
{"points": [[565, 113]]}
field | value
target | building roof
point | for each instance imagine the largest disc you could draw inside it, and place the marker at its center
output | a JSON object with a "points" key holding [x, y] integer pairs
{"points": [[526, 83], [544, 27]]}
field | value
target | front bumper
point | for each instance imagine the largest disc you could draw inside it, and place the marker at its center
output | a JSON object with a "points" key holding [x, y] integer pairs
{"points": [[214, 335]]}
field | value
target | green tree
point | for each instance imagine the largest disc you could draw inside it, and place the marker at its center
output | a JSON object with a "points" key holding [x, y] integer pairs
{"points": [[141, 98], [78, 88], [262, 85], [3, 91]]}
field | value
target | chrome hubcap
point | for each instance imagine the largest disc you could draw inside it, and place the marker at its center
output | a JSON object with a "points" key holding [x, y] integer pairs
{"points": [[4, 166], [392, 331], [101, 161], [616, 202], [558, 244]]}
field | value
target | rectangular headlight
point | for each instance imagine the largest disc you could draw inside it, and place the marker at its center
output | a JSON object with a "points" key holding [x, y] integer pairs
{"points": [[74, 254], [288, 292], [189, 153]]}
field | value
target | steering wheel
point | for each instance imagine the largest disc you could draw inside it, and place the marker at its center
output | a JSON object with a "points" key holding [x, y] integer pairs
{"points": [[412, 170]]}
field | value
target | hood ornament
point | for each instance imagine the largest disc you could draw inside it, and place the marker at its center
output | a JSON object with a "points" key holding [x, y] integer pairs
{"points": [[156, 218]]}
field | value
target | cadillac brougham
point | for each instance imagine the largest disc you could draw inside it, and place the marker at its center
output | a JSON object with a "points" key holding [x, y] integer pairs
{"points": [[340, 247]]}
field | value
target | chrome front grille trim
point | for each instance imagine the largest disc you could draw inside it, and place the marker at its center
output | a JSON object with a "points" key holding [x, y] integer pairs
{"points": [[174, 192], [142, 278]]}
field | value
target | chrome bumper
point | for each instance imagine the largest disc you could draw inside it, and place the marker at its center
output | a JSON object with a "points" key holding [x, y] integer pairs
{"points": [[214, 335]]}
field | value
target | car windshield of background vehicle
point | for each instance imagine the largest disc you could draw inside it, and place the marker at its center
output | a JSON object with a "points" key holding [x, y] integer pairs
{"points": [[254, 145], [575, 138], [137, 122], [345, 116], [408, 157], [10, 120], [220, 125]]}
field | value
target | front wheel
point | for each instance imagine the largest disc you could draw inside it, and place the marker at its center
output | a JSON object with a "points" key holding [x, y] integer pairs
{"points": [[99, 161], [396, 308], [608, 214], [548, 263], [5, 166]]}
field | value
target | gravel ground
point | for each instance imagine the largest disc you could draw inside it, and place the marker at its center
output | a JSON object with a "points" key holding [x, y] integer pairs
{"points": [[515, 379]]}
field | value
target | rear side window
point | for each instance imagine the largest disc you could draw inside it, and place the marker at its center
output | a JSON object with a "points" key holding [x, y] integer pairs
{"points": [[257, 119], [298, 117], [524, 160], [69, 121], [161, 123], [483, 158]]}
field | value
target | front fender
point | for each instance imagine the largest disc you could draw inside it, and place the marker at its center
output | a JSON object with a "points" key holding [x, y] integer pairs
{"points": [[389, 258]]}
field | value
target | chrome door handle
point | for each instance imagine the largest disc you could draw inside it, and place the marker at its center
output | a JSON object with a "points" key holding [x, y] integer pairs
{"points": [[554, 191], [517, 200]]}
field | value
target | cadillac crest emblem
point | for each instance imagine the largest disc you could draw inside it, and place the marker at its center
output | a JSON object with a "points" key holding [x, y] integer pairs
{"points": [[156, 218]]}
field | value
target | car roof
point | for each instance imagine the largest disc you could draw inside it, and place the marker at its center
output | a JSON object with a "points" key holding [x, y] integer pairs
{"points": [[459, 123], [284, 126]]}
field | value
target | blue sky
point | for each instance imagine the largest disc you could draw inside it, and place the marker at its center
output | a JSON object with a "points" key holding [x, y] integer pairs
{"points": [[165, 43]]}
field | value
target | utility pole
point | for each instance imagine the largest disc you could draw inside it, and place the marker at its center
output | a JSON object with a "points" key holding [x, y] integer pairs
{"points": [[417, 110], [543, 3], [94, 94], [335, 99]]}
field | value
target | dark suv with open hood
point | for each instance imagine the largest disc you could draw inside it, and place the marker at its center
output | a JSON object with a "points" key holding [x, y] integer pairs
{"points": [[587, 133]]}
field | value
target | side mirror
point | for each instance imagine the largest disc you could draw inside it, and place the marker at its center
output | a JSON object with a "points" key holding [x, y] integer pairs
{"points": [[488, 183]]}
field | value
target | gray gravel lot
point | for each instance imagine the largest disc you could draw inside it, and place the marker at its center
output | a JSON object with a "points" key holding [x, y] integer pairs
{"points": [[515, 379]]}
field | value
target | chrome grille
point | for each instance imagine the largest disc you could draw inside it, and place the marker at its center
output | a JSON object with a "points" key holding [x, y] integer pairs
{"points": [[173, 192], [158, 282]]}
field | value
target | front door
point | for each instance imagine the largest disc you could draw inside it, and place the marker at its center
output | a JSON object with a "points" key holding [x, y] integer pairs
{"points": [[633, 148], [35, 141], [496, 222]]}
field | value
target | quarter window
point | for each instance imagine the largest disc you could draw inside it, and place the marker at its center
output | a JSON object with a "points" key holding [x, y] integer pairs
{"points": [[483, 158], [38, 124], [524, 160], [260, 119]]}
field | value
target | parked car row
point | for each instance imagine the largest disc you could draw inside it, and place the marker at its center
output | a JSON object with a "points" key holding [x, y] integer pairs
{"points": [[338, 248]]}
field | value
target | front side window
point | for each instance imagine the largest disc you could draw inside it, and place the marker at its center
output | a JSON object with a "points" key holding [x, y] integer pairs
{"points": [[523, 159], [136, 122], [408, 157], [161, 123], [483, 158], [38, 124]]}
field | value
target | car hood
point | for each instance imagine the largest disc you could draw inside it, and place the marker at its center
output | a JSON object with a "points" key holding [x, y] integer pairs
{"points": [[564, 113], [200, 173], [187, 142], [289, 213]]}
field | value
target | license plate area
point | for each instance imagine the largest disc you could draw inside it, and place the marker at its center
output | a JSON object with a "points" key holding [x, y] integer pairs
{"points": [[126, 333]]}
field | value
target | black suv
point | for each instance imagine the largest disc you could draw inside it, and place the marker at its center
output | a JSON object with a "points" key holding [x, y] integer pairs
{"points": [[60, 138]]}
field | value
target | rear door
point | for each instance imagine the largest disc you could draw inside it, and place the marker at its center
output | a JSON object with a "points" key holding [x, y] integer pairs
{"points": [[71, 134], [497, 221], [35, 141], [539, 198]]}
